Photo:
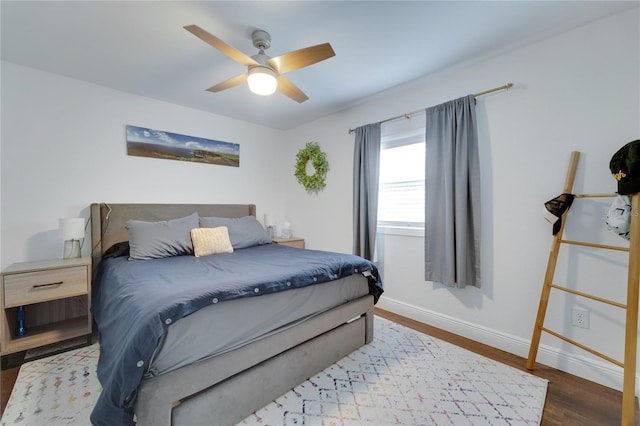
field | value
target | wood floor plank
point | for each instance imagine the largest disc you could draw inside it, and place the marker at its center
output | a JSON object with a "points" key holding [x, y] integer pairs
{"points": [[7, 380]]}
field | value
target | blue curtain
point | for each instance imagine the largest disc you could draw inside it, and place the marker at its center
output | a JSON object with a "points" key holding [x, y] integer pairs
{"points": [[366, 169], [452, 194]]}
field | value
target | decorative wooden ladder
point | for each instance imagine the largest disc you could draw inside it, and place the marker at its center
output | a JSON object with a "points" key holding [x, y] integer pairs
{"points": [[631, 307]]}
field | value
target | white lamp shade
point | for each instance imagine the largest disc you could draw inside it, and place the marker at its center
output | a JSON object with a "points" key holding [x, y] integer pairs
{"points": [[262, 80], [71, 228]]}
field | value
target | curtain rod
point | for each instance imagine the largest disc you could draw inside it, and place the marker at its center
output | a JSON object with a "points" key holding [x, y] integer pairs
{"points": [[408, 114]]}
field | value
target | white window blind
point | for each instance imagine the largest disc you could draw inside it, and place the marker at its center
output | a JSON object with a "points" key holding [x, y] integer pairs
{"points": [[401, 182]]}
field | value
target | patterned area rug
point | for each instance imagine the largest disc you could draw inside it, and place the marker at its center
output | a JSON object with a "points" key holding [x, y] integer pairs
{"points": [[58, 390], [402, 377], [405, 377]]}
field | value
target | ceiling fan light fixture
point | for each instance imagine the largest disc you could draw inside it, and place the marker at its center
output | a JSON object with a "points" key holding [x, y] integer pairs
{"points": [[265, 74], [262, 80]]}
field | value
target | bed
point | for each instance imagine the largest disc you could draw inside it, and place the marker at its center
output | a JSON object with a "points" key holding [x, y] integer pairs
{"points": [[216, 353]]}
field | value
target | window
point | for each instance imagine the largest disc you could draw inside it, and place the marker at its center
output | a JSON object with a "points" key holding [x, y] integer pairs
{"points": [[401, 182]]}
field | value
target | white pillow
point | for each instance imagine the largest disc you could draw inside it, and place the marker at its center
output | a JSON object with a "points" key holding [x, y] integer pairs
{"points": [[207, 241]]}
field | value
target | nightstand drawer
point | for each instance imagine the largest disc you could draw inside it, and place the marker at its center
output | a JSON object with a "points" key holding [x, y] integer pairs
{"points": [[39, 286]]}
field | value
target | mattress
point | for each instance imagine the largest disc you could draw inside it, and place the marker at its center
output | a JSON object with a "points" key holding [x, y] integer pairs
{"points": [[214, 330]]}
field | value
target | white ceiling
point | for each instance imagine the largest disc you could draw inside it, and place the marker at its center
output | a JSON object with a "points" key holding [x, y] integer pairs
{"points": [[141, 47]]}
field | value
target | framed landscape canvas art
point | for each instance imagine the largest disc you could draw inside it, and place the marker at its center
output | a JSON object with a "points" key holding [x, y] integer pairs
{"points": [[152, 143]]}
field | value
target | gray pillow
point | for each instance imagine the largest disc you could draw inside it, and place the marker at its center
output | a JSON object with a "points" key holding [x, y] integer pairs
{"points": [[243, 231], [155, 240]]}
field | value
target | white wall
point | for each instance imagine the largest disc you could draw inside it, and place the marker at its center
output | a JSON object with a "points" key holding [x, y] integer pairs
{"points": [[576, 91], [63, 147]]}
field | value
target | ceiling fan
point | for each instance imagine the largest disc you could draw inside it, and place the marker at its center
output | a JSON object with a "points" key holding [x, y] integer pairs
{"points": [[264, 74]]}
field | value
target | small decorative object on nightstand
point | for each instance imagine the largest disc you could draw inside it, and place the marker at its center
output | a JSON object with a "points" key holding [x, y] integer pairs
{"points": [[286, 230], [293, 242], [44, 302], [22, 329], [71, 230]]}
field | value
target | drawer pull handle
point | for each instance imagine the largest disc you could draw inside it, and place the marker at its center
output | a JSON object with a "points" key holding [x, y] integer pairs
{"points": [[39, 286]]}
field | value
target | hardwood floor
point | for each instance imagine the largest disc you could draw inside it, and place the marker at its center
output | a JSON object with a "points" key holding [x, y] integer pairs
{"points": [[570, 399], [9, 377]]}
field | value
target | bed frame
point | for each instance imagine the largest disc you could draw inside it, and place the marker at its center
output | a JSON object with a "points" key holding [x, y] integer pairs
{"points": [[226, 389]]}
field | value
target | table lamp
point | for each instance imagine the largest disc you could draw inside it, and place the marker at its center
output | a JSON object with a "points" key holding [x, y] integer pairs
{"points": [[71, 230]]}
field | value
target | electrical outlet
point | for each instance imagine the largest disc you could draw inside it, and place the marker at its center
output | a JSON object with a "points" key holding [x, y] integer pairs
{"points": [[580, 317]]}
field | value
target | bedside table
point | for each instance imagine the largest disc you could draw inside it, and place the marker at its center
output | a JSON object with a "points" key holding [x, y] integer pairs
{"points": [[293, 242], [56, 296]]}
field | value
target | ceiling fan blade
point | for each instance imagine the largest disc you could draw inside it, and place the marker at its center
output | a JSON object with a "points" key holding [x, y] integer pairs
{"points": [[232, 82], [289, 89], [223, 47], [301, 58]]}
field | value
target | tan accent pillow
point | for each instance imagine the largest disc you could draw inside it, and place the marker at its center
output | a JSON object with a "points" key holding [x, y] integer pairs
{"points": [[207, 241]]}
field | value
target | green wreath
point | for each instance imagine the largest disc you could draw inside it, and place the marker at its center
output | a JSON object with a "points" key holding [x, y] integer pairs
{"points": [[311, 152]]}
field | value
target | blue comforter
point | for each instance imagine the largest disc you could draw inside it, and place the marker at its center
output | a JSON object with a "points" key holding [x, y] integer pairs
{"points": [[135, 301]]}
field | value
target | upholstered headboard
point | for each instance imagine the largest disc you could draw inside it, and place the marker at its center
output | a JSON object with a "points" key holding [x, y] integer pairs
{"points": [[108, 220]]}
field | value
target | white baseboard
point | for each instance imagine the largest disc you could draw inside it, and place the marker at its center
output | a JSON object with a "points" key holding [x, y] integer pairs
{"points": [[601, 372]]}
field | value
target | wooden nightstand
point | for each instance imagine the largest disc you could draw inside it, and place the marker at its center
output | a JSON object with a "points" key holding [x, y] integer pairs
{"points": [[293, 242], [56, 295]]}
